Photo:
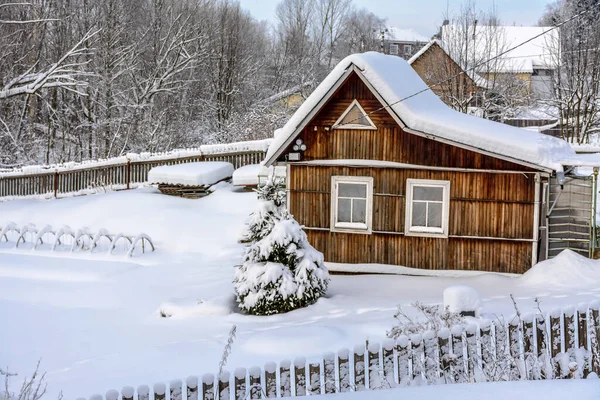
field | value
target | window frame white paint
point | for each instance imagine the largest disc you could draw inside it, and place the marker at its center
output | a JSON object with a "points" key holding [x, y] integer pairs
{"points": [[337, 124], [409, 230], [408, 49], [349, 227], [394, 49]]}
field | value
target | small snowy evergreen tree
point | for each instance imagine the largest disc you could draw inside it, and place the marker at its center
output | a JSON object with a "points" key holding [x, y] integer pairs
{"points": [[281, 271]]}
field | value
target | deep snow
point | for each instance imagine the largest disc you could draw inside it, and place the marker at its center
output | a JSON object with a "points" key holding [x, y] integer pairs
{"points": [[95, 319]]}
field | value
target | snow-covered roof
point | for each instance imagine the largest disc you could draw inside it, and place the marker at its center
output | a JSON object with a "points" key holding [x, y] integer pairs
{"points": [[393, 79], [493, 40], [477, 79], [405, 35]]}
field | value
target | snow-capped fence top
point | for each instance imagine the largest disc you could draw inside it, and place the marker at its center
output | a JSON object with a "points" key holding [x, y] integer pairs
{"points": [[561, 344], [118, 172]]}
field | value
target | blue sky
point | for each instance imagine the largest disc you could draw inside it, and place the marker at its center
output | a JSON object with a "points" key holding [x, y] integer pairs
{"points": [[424, 16]]}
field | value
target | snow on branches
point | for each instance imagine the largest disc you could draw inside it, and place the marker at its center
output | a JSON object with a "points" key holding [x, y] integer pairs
{"points": [[281, 271]]}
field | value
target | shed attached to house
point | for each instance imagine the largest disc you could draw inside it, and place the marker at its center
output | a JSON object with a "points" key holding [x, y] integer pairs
{"points": [[381, 171]]}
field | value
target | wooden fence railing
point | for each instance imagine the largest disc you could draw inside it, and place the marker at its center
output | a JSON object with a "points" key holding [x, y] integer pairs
{"points": [[119, 175], [559, 345]]}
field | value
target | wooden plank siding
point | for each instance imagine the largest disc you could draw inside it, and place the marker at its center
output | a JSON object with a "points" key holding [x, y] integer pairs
{"points": [[492, 200], [481, 204]]}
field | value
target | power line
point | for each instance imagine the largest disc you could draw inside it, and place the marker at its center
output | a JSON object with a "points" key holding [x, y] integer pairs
{"points": [[474, 67]]}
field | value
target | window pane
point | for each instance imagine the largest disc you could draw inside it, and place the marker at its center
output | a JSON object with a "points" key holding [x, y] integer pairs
{"points": [[355, 117], [434, 216], [418, 213], [359, 211], [352, 190], [428, 193], [343, 211]]}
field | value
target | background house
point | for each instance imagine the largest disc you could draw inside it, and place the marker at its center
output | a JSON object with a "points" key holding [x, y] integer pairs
{"points": [[403, 42]]}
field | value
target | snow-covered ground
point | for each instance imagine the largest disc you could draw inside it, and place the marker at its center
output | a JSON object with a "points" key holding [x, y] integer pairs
{"points": [[95, 322]]}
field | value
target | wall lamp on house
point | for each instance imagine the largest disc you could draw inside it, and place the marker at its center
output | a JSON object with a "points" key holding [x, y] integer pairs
{"points": [[298, 148]]}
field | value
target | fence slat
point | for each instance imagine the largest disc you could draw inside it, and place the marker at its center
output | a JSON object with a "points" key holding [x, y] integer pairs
{"points": [[191, 384], [458, 369], [270, 380], [208, 387], [285, 381], [255, 386], [314, 374], [595, 339], [300, 376], [388, 362], [403, 360], [359, 368], [344, 370], [239, 384], [329, 372]]}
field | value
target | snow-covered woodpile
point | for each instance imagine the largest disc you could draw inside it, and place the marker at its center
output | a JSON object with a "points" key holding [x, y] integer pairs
{"points": [[190, 180], [66, 238], [559, 345]]}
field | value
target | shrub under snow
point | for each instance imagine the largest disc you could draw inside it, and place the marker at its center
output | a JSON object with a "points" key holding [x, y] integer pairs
{"points": [[281, 271], [462, 299]]}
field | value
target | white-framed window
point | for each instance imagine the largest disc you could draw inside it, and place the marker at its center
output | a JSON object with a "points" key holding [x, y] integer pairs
{"points": [[351, 203], [427, 207], [354, 117], [407, 49], [394, 49]]}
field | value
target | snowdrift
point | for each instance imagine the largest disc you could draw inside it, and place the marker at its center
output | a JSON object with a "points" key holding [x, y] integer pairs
{"points": [[568, 269]]}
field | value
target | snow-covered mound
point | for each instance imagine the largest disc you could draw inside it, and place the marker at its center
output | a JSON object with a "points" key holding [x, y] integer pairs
{"points": [[192, 174], [568, 269], [462, 298], [248, 175]]}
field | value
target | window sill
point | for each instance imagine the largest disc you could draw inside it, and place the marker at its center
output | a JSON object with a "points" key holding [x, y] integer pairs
{"points": [[426, 232], [351, 228]]}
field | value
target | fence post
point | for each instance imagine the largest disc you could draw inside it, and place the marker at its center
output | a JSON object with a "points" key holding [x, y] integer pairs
{"points": [[583, 338], [329, 372], [344, 370], [472, 358], [255, 386], [570, 344], [143, 392], [208, 387], [127, 393], [223, 386], [128, 173], [543, 356], [595, 330], [374, 377], [445, 354], [175, 390], [416, 346], [270, 380], [388, 362], [458, 370], [513, 348], [359, 368], [160, 390], [403, 360], [314, 374], [112, 395], [528, 353], [55, 184], [285, 382], [239, 384], [191, 384], [300, 376], [555, 340]]}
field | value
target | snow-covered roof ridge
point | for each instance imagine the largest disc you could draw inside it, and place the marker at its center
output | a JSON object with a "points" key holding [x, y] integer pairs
{"points": [[394, 80], [477, 79], [405, 35]]}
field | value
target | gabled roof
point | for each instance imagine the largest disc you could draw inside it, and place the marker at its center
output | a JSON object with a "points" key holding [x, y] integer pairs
{"points": [[477, 80], [392, 80]]}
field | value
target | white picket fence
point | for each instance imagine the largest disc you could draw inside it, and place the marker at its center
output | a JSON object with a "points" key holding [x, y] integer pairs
{"points": [[559, 345]]}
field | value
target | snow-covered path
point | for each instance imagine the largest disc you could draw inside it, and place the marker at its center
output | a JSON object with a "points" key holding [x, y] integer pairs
{"points": [[95, 319]]}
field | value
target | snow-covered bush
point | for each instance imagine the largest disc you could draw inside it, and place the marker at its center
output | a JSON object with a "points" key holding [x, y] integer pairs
{"points": [[429, 318], [281, 271]]}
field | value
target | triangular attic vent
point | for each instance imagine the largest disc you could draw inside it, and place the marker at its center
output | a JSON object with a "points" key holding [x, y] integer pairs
{"points": [[354, 118]]}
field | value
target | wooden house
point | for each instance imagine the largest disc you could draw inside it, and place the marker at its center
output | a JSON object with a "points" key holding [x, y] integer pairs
{"points": [[379, 170]]}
